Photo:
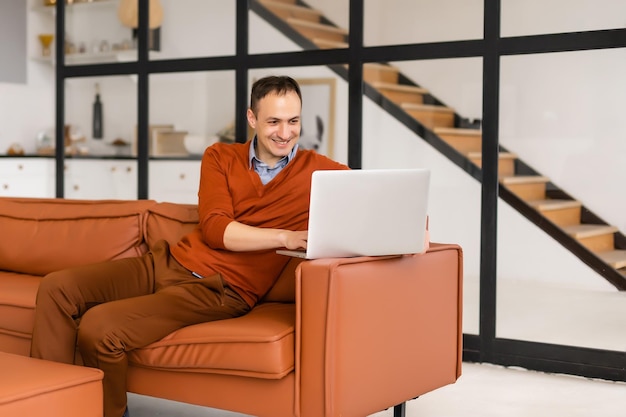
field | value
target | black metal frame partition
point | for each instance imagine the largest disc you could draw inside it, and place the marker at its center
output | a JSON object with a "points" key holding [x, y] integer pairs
{"points": [[485, 347]]}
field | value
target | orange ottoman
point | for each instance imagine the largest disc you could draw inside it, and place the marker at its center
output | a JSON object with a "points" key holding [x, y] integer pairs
{"points": [[34, 387]]}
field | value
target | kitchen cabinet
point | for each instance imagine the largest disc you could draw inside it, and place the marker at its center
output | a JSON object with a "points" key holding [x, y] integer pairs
{"points": [[87, 179], [174, 181], [27, 177]]}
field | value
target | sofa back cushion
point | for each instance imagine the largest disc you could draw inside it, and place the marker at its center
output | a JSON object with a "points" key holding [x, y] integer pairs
{"points": [[44, 235], [170, 221]]}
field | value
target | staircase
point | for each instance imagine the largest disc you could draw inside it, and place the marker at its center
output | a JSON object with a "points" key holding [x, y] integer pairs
{"points": [[599, 245]]}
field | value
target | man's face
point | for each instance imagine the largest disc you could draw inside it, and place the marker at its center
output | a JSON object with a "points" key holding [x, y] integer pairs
{"points": [[277, 126]]}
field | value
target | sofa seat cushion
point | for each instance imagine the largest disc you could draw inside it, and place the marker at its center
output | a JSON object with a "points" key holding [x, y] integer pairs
{"points": [[45, 235], [17, 302], [260, 344]]}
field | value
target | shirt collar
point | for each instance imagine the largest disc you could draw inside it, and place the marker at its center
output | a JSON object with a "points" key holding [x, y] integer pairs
{"points": [[252, 154]]}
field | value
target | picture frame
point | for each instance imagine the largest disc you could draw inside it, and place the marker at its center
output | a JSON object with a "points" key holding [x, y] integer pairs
{"points": [[318, 114]]}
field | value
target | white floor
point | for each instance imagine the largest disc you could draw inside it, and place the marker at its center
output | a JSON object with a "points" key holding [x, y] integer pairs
{"points": [[482, 391], [551, 313]]}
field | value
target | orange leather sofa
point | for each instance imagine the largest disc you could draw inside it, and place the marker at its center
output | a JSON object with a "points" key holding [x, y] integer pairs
{"points": [[33, 387], [333, 337]]}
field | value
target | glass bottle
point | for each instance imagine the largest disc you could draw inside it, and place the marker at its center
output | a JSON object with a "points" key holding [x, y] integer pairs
{"points": [[97, 115]]}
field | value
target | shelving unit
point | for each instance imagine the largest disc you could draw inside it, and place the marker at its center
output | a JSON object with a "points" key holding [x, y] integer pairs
{"points": [[112, 44]]}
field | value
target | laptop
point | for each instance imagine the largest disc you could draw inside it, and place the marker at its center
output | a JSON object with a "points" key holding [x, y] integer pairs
{"points": [[366, 213]]}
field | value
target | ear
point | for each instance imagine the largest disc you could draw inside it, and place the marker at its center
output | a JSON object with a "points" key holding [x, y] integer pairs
{"points": [[251, 118]]}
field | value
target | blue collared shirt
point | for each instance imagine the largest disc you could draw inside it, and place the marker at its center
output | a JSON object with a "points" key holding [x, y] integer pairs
{"points": [[265, 172]]}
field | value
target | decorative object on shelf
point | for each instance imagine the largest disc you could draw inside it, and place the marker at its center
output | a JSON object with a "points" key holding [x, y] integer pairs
{"points": [[74, 141], [121, 147], [196, 144], [97, 115], [128, 13], [46, 40], [227, 134], [15, 149], [44, 143], [169, 143], [152, 130]]}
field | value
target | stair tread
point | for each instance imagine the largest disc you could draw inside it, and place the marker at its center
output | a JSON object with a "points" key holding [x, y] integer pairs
{"points": [[400, 87], [290, 6], [457, 131], [501, 155], [379, 66], [615, 258], [313, 25], [426, 107], [523, 179], [325, 43], [580, 231], [554, 204]]}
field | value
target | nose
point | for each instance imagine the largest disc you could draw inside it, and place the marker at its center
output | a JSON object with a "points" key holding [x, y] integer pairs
{"points": [[284, 132]]}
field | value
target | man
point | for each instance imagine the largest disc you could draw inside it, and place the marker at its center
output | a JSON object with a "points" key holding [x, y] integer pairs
{"points": [[253, 199]]}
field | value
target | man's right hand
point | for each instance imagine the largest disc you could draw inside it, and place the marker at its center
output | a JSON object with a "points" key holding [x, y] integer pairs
{"points": [[296, 240]]}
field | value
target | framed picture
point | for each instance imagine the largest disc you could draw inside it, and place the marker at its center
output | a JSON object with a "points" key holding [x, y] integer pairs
{"points": [[318, 114]]}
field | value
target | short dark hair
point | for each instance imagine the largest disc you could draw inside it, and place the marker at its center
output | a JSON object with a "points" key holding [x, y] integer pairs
{"points": [[272, 84]]}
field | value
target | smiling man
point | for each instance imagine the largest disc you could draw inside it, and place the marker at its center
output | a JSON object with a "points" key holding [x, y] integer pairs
{"points": [[253, 199]]}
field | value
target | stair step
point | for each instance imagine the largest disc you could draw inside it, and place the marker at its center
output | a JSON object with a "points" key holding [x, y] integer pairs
{"points": [[326, 44], [374, 72], [595, 237], [286, 10], [560, 212], [401, 93], [429, 115], [506, 162], [526, 187], [463, 140], [615, 258], [314, 30]]}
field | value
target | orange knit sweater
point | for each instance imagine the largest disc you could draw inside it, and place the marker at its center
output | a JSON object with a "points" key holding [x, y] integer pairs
{"points": [[231, 190]]}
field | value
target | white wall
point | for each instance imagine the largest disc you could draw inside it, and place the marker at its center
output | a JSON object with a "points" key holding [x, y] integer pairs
{"points": [[26, 109]]}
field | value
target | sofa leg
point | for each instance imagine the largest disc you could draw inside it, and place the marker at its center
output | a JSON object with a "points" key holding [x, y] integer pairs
{"points": [[399, 410]]}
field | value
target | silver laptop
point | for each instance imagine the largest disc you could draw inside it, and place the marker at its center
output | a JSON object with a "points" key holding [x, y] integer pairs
{"points": [[366, 213]]}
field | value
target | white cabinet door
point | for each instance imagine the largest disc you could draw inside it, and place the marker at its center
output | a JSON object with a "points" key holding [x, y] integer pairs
{"points": [[27, 177], [174, 181], [91, 179]]}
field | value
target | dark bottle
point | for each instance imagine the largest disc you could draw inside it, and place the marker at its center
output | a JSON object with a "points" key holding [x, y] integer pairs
{"points": [[97, 115]]}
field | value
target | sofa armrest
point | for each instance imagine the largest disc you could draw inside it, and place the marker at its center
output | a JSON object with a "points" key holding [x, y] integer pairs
{"points": [[373, 332]]}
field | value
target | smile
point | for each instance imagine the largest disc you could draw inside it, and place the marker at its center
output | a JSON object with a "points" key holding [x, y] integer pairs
{"points": [[280, 141]]}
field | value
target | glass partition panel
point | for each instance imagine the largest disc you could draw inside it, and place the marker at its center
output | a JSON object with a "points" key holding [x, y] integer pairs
{"points": [[391, 22], [196, 28], [324, 108], [188, 112], [282, 27], [430, 92], [535, 17], [96, 33], [561, 118], [101, 114]]}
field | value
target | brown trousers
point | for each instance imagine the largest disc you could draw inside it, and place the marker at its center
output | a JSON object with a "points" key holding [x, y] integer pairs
{"points": [[111, 308]]}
